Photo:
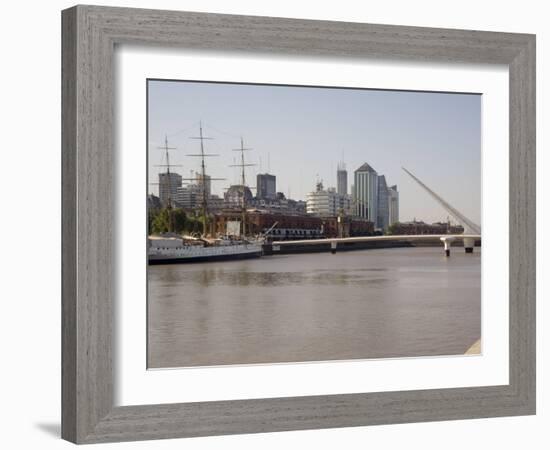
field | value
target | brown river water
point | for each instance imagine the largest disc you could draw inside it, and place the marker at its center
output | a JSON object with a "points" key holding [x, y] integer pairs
{"points": [[382, 303]]}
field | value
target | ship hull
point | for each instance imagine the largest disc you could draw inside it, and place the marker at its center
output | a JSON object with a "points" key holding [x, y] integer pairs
{"points": [[157, 260]]}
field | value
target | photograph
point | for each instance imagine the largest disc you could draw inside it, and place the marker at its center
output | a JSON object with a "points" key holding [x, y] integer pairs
{"points": [[294, 224], [271, 226]]}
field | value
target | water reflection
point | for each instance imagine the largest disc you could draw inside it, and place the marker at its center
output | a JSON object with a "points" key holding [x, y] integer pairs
{"points": [[211, 278]]}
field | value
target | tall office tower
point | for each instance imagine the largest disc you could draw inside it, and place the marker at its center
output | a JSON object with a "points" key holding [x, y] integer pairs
{"points": [[342, 179], [383, 216], [393, 199], [266, 186], [169, 182], [365, 197]]}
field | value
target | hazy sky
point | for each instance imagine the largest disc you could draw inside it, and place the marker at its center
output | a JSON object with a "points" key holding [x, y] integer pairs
{"points": [[305, 132]]}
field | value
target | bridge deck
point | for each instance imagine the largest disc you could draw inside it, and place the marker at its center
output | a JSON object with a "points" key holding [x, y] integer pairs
{"points": [[412, 237]]}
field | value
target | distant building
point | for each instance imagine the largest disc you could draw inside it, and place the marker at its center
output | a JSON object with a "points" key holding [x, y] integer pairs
{"points": [[153, 202], [266, 186], [383, 215], [280, 205], [327, 202], [419, 227], [346, 227], [297, 206], [365, 193], [188, 197], [233, 196], [206, 184], [393, 199], [283, 226], [292, 226], [215, 203], [342, 180], [168, 185]]}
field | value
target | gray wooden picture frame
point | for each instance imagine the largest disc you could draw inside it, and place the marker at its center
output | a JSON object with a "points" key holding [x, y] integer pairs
{"points": [[90, 34]]}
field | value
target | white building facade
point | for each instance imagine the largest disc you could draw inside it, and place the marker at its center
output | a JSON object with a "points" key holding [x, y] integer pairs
{"points": [[327, 202], [188, 197]]}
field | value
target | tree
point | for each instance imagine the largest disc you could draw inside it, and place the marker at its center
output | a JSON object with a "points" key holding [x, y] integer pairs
{"points": [[175, 220], [179, 220], [160, 221], [167, 219]]}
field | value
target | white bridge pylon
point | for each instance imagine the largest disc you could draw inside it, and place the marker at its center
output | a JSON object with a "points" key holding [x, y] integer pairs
{"points": [[470, 227]]}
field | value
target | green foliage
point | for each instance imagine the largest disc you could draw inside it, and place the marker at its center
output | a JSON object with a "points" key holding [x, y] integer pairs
{"points": [[179, 219], [160, 221], [175, 220]]}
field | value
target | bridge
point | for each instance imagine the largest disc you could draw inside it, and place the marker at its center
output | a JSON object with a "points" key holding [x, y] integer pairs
{"points": [[472, 231], [470, 227], [446, 239]]}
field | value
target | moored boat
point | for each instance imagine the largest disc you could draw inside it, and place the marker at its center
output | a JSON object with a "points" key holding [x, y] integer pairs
{"points": [[172, 250]]}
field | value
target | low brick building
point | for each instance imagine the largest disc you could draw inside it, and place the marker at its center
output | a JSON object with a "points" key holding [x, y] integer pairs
{"points": [[347, 227], [419, 227], [287, 226], [295, 226]]}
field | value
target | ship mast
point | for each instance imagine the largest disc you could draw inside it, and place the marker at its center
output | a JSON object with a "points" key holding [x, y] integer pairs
{"points": [[168, 183], [167, 155], [242, 165], [202, 155]]}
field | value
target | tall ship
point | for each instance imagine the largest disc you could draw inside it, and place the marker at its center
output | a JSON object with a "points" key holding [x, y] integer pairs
{"points": [[179, 249], [171, 248]]}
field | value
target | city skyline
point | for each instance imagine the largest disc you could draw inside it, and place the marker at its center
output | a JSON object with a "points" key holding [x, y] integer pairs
{"points": [[288, 129]]}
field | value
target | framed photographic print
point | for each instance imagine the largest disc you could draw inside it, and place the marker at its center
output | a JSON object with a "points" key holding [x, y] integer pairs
{"points": [[276, 224]]}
